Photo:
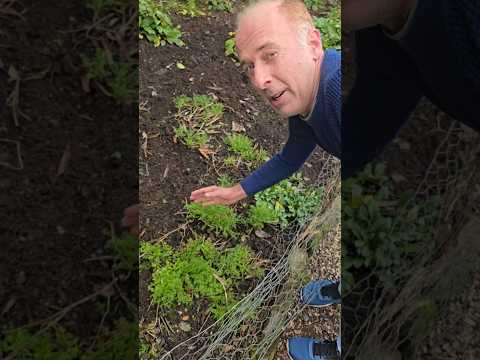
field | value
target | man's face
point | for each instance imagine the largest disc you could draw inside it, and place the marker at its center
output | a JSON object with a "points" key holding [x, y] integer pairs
{"points": [[280, 68]]}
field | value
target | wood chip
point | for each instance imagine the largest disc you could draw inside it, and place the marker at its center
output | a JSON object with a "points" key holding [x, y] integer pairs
{"points": [[236, 127], [262, 234], [205, 151]]}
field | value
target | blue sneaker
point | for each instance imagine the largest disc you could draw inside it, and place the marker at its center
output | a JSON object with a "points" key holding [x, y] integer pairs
{"points": [[299, 348], [321, 293]]}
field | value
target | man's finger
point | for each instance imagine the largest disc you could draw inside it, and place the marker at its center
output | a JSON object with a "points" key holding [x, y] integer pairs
{"points": [[203, 190], [131, 210]]}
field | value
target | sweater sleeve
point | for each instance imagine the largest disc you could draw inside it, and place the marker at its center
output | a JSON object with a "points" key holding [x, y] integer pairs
{"points": [[299, 146], [385, 92]]}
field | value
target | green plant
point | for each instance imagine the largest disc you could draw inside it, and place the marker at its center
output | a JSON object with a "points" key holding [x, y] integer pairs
{"points": [[189, 137], [330, 28], [125, 250], [119, 79], [243, 146], [196, 116], [122, 82], [156, 26], [231, 161], [225, 181], [220, 5], [261, 214], [56, 345], [203, 108], [380, 229], [121, 342], [315, 5], [219, 218], [291, 199], [97, 65], [231, 47], [199, 270]]}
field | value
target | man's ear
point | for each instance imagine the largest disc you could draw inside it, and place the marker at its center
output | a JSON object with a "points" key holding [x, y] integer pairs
{"points": [[315, 42]]}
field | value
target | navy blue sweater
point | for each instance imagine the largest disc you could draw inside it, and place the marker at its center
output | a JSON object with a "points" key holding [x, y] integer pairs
{"points": [[322, 128], [437, 57]]}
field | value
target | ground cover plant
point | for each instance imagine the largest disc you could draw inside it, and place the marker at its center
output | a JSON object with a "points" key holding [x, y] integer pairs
{"points": [[198, 129], [199, 270]]}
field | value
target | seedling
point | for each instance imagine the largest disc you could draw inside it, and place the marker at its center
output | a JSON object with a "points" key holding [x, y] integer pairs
{"points": [[243, 146], [197, 117], [225, 181], [189, 137], [125, 250], [199, 270], [261, 214], [218, 218], [116, 79], [231, 48]]}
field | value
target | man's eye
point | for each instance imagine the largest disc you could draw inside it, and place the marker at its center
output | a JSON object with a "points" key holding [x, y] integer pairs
{"points": [[248, 68], [271, 55]]}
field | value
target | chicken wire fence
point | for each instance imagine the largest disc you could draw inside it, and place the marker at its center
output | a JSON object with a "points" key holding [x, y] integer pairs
{"points": [[381, 319], [252, 329]]}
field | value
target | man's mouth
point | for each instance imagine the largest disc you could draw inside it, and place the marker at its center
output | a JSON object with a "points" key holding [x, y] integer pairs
{"points": [[277, 96]]}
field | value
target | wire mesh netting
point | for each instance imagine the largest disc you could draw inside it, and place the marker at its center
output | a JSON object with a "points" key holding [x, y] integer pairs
{"points": [[383, 319], [252, 329]]}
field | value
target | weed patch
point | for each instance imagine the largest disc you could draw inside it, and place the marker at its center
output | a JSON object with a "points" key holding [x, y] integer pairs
{"points": [[243, 146], [219, 218], [156, 26], [382, 230], [196, 116], [291, 200], [330, 28], [198, 271], [116, 79]]}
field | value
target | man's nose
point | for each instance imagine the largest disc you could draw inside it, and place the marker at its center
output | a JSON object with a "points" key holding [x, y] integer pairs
{"points": [[261, 77]]}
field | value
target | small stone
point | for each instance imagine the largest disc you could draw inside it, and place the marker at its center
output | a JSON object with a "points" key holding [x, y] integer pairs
{"points": [[184, 326]]}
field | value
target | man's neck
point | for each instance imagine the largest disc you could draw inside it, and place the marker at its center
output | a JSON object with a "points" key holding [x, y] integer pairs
{"points": [[316, 84], [395, 19]]}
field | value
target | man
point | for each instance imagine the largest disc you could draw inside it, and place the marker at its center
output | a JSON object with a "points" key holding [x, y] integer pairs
{"points": [[406, 49], [281, 51]]}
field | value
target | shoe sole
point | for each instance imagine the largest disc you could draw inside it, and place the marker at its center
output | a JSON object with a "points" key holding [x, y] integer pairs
{"points": [[312, 305], [288, 352]]}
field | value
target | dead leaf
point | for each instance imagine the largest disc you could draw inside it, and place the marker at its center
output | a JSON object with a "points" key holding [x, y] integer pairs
{"points": [[404, 145], [85, 82], [398, 177], [145, 144], [205, 151], [8, 306], [236, 127], [184, 326], [185, 317], [262, 234], [67, 153]]}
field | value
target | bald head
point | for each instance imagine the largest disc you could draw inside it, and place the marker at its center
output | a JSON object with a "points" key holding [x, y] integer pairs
{"points": [[293, 10]]}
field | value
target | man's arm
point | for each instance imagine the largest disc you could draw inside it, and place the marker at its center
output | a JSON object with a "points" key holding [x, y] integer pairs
{"points": [[386, 91], [300, 144]]}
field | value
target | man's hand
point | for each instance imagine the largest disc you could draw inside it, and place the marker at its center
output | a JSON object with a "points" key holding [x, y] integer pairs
{"points": [[215, 195], [130, 219]]}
